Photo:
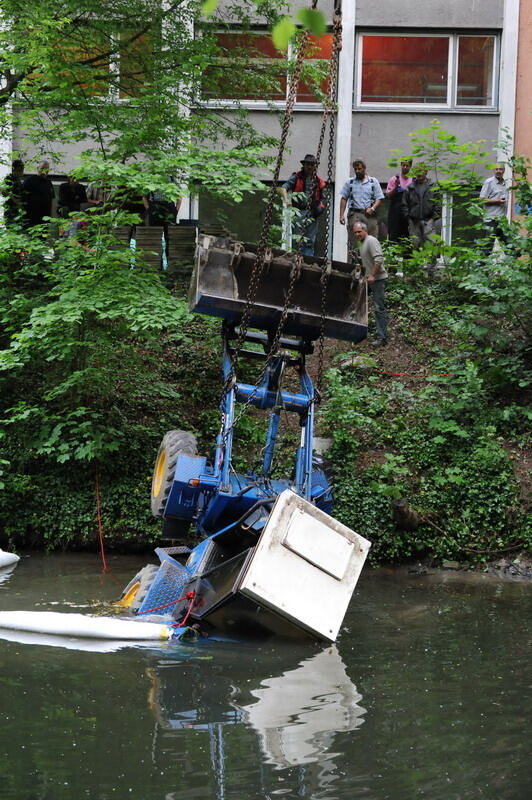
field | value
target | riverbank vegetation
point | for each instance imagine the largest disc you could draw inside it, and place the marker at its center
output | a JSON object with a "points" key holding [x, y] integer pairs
{"points": [[429, 437], [99, 355]]}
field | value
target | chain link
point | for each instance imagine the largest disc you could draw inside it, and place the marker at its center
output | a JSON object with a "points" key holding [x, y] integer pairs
{"points": [[328, 113], [263, 250]]}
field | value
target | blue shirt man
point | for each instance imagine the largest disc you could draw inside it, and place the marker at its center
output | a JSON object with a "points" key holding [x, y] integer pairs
{"points": [[361, 195]]}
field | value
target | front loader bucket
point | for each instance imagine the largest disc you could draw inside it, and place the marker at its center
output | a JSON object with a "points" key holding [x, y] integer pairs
{"points": [[221, 283]]}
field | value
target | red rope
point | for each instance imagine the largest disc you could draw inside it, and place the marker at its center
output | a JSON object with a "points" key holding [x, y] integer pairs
{"points": [[409, 375], [99, 519], [403, 374], [187, 596], [189, 609]]}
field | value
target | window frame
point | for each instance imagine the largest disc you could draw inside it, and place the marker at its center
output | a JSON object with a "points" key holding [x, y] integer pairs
{"points": [[261, 105], [451, 104], [113, 93]]}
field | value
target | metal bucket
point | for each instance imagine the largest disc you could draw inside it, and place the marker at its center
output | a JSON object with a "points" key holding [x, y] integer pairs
{"points": [[221, 281]]}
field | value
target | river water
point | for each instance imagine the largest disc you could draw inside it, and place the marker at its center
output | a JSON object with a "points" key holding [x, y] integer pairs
{"points": [[425, 694]]}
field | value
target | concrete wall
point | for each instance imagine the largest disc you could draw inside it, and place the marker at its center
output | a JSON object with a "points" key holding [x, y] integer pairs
{"points": [[31, 155], [414, 13], [377, 134], [445, 14], [224, 9]]}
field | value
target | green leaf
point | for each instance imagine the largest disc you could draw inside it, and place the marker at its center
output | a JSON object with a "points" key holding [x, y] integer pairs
{"points": [[283, 32], [313, 20], [208, 7]]}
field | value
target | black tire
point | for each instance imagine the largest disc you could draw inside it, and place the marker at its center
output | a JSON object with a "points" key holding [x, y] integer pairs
{"points": [[173, 444], [138, 587]]}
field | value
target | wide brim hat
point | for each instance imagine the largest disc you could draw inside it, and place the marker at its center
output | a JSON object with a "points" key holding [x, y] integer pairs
{"points": [[309, 159]]}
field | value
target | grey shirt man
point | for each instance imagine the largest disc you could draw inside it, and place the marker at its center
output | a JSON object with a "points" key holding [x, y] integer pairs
{"points": [[371, 255], [494, 189]]}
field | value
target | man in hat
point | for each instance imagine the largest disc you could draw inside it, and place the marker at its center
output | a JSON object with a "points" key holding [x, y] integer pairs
{"points": [[306, 197]]}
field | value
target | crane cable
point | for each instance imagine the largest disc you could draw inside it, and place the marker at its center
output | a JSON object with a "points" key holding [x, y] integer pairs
{"points": [[263, 250]]}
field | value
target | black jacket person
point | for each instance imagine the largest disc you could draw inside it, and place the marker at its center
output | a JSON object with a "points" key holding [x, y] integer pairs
{"points": [[38, 195]]}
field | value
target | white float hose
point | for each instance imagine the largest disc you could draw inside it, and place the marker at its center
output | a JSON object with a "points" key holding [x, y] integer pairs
{"points": [[6, 559], [83, 626]]}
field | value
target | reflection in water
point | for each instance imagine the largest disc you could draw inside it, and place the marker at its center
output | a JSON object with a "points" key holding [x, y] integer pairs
{"points": [[6, 572], [295, 714]]}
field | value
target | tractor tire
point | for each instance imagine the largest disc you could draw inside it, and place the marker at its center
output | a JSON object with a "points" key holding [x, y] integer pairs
{"points": [[138, 587], [173, 444]]}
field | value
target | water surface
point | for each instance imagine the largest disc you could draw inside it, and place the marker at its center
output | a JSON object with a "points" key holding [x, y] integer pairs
{"points": [[425, 694]]}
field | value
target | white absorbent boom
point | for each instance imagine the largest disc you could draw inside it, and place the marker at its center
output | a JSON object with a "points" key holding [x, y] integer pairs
{"points": [[83, 626]]}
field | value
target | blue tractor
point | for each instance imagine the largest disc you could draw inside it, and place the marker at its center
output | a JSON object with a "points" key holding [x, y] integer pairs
{"points": [[210, 585]]}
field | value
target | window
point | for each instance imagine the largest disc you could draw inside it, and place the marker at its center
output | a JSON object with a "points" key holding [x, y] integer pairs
{"points": [[107, 65], [134, 63], [475, 71], [435, 70], [86, 60], [266, 69], [318, 54], [256, 55]]}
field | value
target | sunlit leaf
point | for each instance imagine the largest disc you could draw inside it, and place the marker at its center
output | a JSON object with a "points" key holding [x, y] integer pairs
{"points": [[282, 32], [208, 7], [313, 20]]}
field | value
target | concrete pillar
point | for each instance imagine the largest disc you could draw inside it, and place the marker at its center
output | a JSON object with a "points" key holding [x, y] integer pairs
{"points": [[508, 79], [344, 124]]}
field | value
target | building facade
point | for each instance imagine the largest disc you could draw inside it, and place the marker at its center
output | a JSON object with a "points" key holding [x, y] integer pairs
{"points": [[403, 64], [523, 105]]}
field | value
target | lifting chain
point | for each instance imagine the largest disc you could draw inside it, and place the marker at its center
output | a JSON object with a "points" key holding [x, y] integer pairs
{"points": [[263, 251], [329, 113]]}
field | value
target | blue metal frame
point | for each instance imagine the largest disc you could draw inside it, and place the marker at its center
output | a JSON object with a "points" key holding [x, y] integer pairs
{"points": [[215, 495]]}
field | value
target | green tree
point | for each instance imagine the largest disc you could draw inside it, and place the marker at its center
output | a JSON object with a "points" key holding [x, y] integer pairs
{"points": [[86, 331]]}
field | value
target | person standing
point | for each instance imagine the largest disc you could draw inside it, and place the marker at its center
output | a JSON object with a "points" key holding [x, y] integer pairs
{"points": [[38, 195], [303, 186], [161, 210], [72, 196], [375, 276], [494, 198], [12, 191], [98, 197], [397, 220], [361, 195], [423, 211]]}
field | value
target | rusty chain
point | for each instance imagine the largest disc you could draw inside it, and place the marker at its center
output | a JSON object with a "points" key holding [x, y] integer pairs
{"points": [[263, 251], [329, 114]]}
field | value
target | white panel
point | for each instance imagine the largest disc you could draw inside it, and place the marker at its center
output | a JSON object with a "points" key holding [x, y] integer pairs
{"points": [[317, 543], [288, 583]]}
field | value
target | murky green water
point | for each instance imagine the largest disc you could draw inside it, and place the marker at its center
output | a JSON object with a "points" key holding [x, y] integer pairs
{"points": [[426, 694]]}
